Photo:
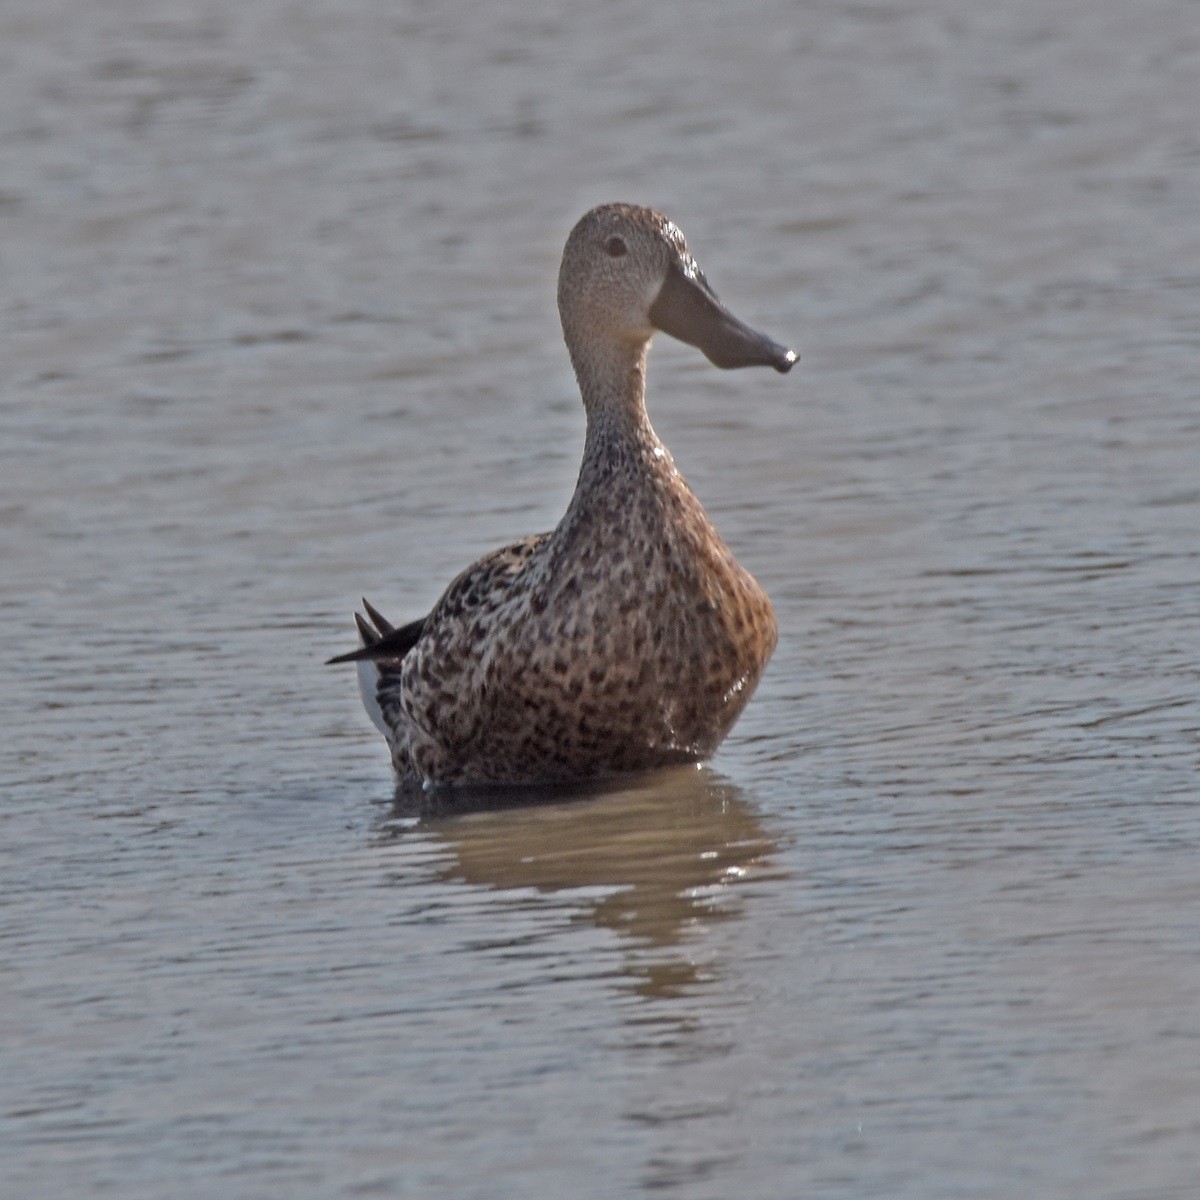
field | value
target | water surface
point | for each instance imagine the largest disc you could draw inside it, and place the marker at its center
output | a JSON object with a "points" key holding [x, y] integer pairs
{"points": [[279, 329]]}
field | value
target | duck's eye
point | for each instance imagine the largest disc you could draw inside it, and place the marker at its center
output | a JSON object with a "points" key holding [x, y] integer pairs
{"points": [[615, 247]]}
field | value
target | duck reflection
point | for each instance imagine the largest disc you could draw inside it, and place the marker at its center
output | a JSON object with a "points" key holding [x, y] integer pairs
{"points": [[660, 854]]}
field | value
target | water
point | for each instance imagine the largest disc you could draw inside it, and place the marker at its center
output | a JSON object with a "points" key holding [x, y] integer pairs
{"points": [[279, 328]]}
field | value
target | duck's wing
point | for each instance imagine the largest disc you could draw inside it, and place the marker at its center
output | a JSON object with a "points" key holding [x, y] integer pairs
{"points": [[478, 587], [456, 634], [485, 585]]}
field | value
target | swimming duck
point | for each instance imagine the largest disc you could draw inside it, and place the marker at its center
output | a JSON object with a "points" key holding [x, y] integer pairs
{"points": [[626, 639]]}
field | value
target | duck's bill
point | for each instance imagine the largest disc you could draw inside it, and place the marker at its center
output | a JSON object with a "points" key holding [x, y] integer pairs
{"points": [[688, 309]]}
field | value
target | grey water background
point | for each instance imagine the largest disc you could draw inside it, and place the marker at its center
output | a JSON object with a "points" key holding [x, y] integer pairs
{"points": [[277, 328]]}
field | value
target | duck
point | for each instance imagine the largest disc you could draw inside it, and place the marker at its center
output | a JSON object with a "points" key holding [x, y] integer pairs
{"points": [[628, 638]]}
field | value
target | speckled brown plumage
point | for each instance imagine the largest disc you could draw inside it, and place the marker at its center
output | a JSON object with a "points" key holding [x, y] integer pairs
{"points": [[628, 638]]}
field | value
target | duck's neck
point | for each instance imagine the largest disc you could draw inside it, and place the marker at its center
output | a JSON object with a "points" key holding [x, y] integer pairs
{"points": [[613, 386], [626, 470]]}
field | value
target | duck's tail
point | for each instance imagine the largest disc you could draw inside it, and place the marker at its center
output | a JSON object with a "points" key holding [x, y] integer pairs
{"points": [[383, 646], [380, 638]]}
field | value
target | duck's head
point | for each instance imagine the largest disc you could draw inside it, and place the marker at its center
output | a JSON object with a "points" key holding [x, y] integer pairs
{"points": [[626, 271]]}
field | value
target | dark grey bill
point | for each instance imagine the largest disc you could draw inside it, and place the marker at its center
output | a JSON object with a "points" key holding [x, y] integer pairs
{"points": [[688, 309]]}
